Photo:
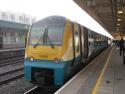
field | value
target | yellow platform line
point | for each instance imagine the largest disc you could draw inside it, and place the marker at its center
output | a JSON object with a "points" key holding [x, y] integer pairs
{"points": [[96, 87]]}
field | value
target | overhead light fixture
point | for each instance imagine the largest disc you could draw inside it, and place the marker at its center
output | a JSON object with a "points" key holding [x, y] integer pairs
{"points": [[120, 11], [119, 19]]}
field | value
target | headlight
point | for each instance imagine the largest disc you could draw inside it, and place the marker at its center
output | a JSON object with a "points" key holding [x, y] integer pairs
{"points": [[57, 60], [31, 59]]}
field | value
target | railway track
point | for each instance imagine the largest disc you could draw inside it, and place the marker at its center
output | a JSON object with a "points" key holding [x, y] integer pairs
{"points": [[38, 90], [11, 75], [11, 61], [11, 69]]}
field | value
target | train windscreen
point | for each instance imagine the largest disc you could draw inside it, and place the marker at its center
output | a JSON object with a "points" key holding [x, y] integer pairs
{"points": [[47, 32]]}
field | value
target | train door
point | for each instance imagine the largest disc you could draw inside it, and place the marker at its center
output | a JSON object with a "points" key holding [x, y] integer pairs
{"points": [[82, 43], [85, 43], [90, 43], [76, 42]]}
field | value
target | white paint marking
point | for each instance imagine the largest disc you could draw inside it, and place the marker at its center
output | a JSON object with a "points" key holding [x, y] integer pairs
{"points": [[30, 90]]}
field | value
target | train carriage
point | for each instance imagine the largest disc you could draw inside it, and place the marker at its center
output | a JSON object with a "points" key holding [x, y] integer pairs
{"points": [[56, 46]]}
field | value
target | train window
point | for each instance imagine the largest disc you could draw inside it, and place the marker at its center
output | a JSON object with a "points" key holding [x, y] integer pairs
{"points": [[77, 41], [53, 35], [55, 38], [76, 33], [48, 31]]}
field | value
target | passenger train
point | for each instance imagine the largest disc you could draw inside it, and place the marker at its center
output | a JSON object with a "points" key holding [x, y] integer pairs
{"points": [[56, 46]]}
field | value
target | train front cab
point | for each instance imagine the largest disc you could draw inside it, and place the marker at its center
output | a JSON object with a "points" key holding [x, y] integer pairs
{"points": [[46, 58]]}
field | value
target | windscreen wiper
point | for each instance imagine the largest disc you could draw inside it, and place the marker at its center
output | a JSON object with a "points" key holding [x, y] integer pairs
{"points": [[35, 45], [45, 37], [49, 40]]}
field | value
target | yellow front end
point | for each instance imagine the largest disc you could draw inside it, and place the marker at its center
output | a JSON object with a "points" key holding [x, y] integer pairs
{"points": [[44, 52], [51, 53], [52, 56]]}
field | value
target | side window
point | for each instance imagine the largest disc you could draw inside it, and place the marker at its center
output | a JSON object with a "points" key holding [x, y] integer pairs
{"points": [[82, 38], [89, 38], [77, 41]]}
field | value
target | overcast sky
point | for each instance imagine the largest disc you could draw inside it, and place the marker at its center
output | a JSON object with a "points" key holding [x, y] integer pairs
{"points": [[38, 8], [43, 8]]}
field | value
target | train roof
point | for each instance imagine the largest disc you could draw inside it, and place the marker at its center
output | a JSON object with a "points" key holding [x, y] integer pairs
{"points": [[52, 20], [56, 20]]}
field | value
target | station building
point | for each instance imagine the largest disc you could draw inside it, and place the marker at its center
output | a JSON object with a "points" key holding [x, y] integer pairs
{"points": [[13, 29]]}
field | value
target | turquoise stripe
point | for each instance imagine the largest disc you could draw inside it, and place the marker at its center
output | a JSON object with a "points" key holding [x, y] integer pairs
{"points": [[61, 70]]}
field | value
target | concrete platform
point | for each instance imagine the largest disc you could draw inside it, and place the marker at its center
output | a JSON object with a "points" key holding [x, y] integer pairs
{"points": [[113, 80], [104, 75]]}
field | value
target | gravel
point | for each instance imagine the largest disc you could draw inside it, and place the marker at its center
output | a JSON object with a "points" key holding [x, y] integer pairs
{"points": [[19, 86]]}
